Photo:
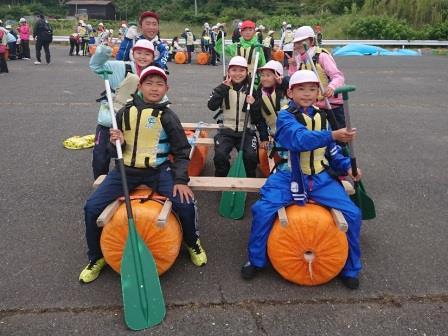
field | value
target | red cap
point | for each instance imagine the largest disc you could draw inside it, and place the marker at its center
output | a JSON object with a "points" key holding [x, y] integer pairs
{"points": [[247, 24], [148, 14], [152, 70]]}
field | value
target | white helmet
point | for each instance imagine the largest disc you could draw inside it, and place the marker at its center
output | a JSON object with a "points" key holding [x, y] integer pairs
{"points": [[261, 27], [303, 76], [284, 23], [238, 60], [187, 29], [206, 25], [288, 26], [214, 27], [276, 66], [303, 33], [144, 44], [22, 20]]}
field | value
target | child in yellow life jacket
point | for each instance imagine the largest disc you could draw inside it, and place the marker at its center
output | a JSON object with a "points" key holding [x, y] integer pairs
{"points": [[149, 131], [247, 46], [303, 130], [230, 99], [123, 82]]}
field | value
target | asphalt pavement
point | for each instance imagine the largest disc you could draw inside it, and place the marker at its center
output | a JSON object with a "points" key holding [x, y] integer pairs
{"points": [[400, 112]]}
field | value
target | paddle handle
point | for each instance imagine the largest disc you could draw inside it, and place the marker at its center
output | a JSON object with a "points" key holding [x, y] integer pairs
{"points": [[251, 90], [223, 56]]}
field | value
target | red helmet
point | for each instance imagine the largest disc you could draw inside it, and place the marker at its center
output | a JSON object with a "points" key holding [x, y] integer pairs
{"points": [[148, 14], [247, 24]]}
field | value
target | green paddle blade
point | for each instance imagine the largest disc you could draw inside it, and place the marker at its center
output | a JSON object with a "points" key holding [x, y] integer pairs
{"points": [[364, 202], [144, 305], [233, 203]]}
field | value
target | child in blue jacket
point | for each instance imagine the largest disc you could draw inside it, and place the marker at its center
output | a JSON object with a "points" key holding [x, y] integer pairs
{"points": [[303, 130]]}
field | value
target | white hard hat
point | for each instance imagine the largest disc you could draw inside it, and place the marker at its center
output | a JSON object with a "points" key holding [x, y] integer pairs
{"points": [[22, 20], [101, 24], [238, 60], [186, 29], [303, 76], [288, 25], [8, 26], [144, 44], [214, 27], [284, 22], [152, 70], [261, 27], [273, 65], [271, 32], [81, 21], [206, 25], [303, 33]]}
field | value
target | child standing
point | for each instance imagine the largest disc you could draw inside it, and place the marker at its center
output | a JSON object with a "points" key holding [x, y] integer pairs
{"points": [[24, 34], [189, 42], [247, 47], [143, 53], [303, 130], [231, 98], [146, 146], [329, 74]]}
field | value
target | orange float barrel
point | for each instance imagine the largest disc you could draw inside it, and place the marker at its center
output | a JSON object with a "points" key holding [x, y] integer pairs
{"points": [[163, 242], [310, 250]]}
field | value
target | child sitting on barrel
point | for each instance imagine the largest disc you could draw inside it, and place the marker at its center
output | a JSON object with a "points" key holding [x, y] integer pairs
{"points": [[303, 130], [148, 131]]}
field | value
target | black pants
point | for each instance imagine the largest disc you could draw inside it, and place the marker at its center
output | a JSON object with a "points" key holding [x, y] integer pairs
{"points": [[46, 46], [3, 65], [267, 53], [225, 141], [85, 47], [25, 45], [285, 59], [74, 44], [12, 50], [213, 55]]}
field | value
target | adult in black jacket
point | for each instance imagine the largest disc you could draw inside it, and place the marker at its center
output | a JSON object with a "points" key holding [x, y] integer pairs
{"points": [[43, 37]]}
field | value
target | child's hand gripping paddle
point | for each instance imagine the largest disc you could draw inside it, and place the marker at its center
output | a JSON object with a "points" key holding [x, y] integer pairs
{"points": [[360, 198], [144, 305], [223, 56], [233, 203]]}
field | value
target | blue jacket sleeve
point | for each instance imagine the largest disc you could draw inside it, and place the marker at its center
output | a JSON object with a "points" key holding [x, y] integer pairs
{"points": [[338, 162], [163, 56], [123, 51], [100, 61], [295, 137]]}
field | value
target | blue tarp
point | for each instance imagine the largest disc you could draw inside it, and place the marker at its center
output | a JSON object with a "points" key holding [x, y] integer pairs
{"points": [[364, 49]]}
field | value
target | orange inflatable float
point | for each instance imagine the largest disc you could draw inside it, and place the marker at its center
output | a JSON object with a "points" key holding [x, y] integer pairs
{"points": [[163, 242], [310, 250], [181, 57], [202, 58]]}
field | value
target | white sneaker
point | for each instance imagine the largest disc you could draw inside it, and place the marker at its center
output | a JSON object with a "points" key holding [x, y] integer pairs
{"points": [[37, 63], [25, 58]]}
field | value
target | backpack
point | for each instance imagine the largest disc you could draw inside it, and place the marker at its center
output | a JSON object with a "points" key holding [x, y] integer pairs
{"points": [[47, 32]]}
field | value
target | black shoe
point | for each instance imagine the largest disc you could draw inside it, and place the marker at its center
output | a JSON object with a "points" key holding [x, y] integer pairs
{"points": [[349, 282], [248, 271]]}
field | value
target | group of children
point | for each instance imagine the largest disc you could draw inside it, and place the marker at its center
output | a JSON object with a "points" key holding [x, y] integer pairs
{"points": [[284, 113]]}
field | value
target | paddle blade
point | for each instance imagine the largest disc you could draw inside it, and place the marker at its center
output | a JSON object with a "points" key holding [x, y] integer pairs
{"points": [[364, 202], [233, 203], [144, 305]]}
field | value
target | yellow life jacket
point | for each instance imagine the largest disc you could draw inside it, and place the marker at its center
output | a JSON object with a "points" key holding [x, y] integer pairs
{"points": [[267, 41], [289, 37], [190, 38], [270, 106], [248, 54], [324, 79], [313, 162], [232, 110], [146, 141]]}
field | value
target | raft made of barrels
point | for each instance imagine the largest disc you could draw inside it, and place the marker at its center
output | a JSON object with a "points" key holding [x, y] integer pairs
{"points": [[164, 242], [310, 250]]}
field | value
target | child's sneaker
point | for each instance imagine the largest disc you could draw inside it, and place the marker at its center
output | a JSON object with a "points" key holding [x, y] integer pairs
{"points": [[37, 63], [197, 254], [248, 271], [92, 271]]}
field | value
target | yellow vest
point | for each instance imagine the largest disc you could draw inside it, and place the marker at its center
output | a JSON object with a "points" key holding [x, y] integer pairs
{"points": [[190, 38], [267, 41], [313, 162], [232, 109], [324, 79], [249, 55], [289, 37], [146, 141]]}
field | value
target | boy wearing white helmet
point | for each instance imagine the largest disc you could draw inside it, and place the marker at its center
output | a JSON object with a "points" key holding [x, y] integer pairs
{"points": [[189, 42], [123, 82], [230, 98], [149, 131], [329, 74], [303, 130]]}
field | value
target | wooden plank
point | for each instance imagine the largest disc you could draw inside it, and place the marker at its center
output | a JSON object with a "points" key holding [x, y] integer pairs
{"points": [[211, 183], [201, 125], [348, 187], [107, 213], [282, 217], [98, 181], [339, 220], [164, 213], [205, 142]]}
